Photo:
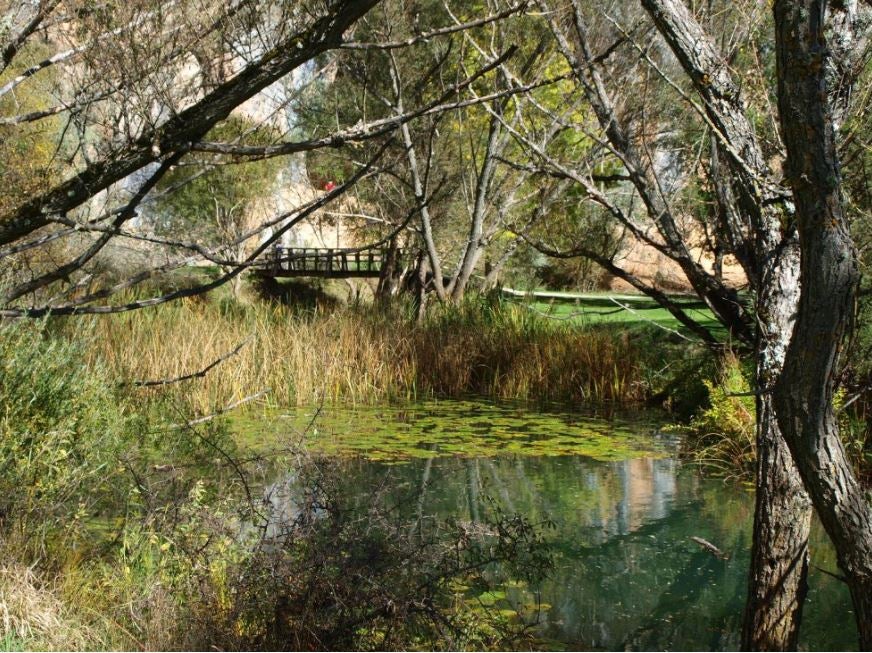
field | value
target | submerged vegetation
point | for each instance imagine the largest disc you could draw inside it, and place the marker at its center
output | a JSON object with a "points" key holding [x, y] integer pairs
{"points": [[465, 429]]}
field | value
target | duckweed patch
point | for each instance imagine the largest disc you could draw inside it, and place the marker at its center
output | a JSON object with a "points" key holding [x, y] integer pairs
{"points": [[434, 429]]}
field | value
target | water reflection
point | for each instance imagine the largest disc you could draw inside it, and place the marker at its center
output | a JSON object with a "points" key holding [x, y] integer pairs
{"points": [[627, 574]]}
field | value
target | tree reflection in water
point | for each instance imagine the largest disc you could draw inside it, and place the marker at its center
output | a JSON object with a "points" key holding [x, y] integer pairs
{"points": [[627, 574]]}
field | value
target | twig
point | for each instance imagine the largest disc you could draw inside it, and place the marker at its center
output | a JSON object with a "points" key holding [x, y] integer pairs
{"points": [[829, 573], [657, 324], [854, 398], [226, 409], [194, 375]]}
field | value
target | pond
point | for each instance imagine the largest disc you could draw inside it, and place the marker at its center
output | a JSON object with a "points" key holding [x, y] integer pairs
{"points": [[623, 505]]}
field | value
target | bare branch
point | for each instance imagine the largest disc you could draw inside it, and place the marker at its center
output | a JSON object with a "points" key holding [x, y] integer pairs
{"points": [[194, 375], [188, 126], [441, 31], [18, 40]]}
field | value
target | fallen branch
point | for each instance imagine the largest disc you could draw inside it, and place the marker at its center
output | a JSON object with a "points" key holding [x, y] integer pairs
{"points": [[194, 375], [642, 317], [218, 413], [711, 548]]}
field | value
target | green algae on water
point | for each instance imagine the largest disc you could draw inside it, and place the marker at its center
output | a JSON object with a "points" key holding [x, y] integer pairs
{"points": [[397, 433]]}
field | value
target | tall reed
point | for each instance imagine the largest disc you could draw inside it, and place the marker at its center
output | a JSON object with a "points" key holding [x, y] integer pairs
{"points": [[364, 354]]}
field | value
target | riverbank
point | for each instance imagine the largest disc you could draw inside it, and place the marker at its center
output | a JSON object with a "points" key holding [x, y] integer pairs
{"points": [[126, 510], [125, 528]]}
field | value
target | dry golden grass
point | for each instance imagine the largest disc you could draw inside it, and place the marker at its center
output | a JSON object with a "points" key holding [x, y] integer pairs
{"points": [[365, 355], [85, 604], [33, 616]]}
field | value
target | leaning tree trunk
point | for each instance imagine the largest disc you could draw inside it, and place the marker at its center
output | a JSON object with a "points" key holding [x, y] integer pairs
{"points": [[829, 275], [777, 579]]}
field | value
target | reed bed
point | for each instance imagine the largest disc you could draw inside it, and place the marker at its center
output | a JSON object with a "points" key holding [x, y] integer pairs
{"points": [[364, 354]]}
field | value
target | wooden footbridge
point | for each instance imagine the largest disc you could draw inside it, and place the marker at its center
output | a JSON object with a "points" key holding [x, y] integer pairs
{"points": [[327, 263]]}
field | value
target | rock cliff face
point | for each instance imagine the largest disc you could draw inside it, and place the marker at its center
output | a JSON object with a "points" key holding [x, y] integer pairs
{"points": [[291, 188], [655, 269], [651, 266]]}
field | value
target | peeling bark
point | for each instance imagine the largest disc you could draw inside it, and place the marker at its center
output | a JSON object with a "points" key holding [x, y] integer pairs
{"points": [[778, 574]]}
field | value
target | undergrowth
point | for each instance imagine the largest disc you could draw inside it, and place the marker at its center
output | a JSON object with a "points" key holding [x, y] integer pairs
{"points": [[722, 435]]}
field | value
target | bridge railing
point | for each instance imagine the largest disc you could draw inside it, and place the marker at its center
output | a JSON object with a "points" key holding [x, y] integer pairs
{"points": [[326, 261]]}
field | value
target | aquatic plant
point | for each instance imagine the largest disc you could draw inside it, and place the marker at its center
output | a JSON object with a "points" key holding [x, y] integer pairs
{"points": [[363, 355], [440, 429]]}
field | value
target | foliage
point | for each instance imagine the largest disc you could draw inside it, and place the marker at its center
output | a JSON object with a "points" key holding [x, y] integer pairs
{"points": [[217, 194], [724, 433], [854, 429], [339, 570], [351, 574], [152, 537], [568, 222], [63, 432]]}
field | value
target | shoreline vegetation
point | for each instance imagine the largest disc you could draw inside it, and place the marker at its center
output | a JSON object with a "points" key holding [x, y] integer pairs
{"points": [[369, 207], [114, 537], [366, 354]]}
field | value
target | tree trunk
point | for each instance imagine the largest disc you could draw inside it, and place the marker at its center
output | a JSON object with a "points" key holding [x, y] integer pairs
{"points": [[752, 223], [474, 246], [829, 275], [390, 274], [420, 282], [777, 579]]}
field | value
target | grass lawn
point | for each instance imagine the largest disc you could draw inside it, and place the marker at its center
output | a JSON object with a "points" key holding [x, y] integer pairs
{"points": [[621, 309]]}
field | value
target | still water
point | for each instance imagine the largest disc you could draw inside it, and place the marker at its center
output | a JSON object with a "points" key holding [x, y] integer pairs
{"points": [[623, 509]]}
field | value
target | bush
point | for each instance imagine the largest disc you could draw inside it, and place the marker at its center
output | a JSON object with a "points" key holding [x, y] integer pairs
{"points": [[723, 434], [63, 431], [343, 569]]}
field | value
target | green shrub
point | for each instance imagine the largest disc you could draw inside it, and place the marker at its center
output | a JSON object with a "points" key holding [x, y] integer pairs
{"points": [[723, 435], [63, 430]]}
